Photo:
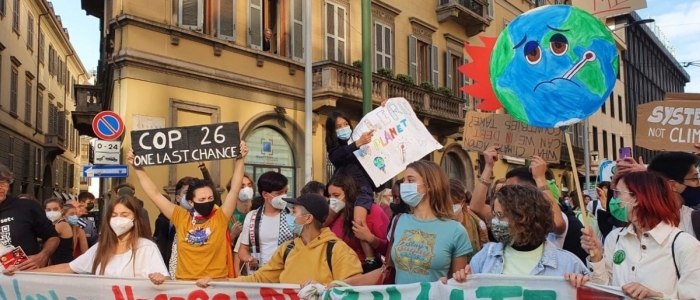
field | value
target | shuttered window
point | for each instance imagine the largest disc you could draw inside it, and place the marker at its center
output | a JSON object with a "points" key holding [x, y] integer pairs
{"points": [[434, 63], [255, 24], [453, 77], [383, 46], [15, 16], [413, 58], [40, 47], [190, 14], [40, 111], [30, 32], [226, 20], [28, 103], [335, 32], [465, 81], [14, 86], [297, 30]]}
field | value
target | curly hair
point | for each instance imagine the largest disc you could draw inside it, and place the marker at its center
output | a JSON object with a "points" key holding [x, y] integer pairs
{"points": [[529, 213]]}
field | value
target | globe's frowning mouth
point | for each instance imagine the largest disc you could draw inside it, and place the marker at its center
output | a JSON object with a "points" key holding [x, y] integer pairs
{"points": [[588, 56]]}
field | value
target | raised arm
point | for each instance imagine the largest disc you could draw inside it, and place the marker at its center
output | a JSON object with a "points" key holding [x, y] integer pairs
{"points": [[538, 167], [207, 176], [478, 203], [229, 204], [165, 206]]}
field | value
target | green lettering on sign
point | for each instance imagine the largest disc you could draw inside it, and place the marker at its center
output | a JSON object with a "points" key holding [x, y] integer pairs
{"points": [[539, 295], [499, 292]]}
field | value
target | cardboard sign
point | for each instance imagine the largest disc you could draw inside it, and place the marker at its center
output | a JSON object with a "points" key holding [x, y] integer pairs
{"points": [[13, 257], [185, 144], [671, 125], [603, 9], [483, 130]]}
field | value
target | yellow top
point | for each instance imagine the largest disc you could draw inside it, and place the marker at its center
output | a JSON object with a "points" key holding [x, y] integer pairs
{"points": [[201, 248], [306, 262], [521, 262]]}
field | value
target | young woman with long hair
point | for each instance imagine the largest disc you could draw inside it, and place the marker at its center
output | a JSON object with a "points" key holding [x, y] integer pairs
{"points": [[476, 228], [66, 234], [80, 241], [124, 248], [650, 257], [342, 190], [429, 229]]}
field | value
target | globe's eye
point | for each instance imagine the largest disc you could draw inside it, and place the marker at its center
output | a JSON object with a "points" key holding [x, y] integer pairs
{"points": [[533, 52], [559, 44]]}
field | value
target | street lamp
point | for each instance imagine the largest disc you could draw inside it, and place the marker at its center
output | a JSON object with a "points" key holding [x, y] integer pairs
{"points": [[586, 138]]}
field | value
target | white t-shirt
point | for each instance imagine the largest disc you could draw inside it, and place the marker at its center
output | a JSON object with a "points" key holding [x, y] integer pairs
{"points": [[686, 223], [558, 240], [146, 261], [589, 207], [269, 235]]}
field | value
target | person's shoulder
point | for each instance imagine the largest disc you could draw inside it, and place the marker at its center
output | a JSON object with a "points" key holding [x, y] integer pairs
{"points": [[145, 243], [686, 241]]}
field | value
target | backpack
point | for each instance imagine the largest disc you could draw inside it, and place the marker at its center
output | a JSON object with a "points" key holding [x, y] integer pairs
{"points": [[329, 253], [673, 250], [695, 220]]}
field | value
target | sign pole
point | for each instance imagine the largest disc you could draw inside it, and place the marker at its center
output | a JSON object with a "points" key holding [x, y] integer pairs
{"points": [[308, 98], [586, 156], [577, 183]]}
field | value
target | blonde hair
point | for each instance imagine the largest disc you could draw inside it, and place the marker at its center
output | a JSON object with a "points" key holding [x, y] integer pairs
{"points": [[379, 197], [438, 187]]}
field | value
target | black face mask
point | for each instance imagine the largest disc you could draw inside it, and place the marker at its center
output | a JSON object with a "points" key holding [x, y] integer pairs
{"points": [[691, 196], [90, 206], [400, 208], [205, 208]]}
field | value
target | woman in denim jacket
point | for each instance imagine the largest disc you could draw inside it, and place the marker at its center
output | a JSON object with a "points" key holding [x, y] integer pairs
{"points": [[522, 217]]}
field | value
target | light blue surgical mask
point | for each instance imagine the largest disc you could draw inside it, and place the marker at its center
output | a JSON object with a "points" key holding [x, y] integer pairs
{"points": [[73, 220], [292, 225], [344, 133], [410, 195], [184, 203]]}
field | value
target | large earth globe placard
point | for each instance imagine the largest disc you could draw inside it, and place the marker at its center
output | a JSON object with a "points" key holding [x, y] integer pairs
{"points": [[554, 66]]}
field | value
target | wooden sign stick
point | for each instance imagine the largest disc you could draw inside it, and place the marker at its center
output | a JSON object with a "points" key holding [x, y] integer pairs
{"points": [[577, 184]]}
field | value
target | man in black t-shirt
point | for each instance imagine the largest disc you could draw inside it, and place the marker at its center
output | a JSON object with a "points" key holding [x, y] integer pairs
{"points": [[22, 223]]}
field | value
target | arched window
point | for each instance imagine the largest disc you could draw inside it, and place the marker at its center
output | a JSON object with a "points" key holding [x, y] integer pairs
{"points": [[453, 166], [269, 150]]}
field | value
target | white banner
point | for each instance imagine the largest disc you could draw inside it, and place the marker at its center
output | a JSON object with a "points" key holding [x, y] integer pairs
{"points": [[41, 286], [399, 139], [482, 286]]}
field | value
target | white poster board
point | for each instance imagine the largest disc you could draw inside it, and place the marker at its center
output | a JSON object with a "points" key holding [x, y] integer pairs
{"points": [[399, 139]]}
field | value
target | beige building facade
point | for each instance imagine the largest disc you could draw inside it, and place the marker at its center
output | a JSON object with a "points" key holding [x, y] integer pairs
{"points": [[189, 62], [38, 68]]}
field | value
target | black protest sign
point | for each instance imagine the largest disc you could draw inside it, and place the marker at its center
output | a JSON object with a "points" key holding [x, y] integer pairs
{"points": [[179, 145]]}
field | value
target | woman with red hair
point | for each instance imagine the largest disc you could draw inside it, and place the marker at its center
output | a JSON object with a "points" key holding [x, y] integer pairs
{"points": [[651, 257]]}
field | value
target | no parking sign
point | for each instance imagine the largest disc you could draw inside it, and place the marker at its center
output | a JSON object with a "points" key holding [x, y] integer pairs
{"points": [[108, 126]]}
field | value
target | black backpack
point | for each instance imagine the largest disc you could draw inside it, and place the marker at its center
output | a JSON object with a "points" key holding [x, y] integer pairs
{"points": [[695, 220], [329, 253]]}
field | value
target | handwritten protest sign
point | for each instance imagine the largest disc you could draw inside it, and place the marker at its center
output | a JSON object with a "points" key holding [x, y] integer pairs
{"points": [[82, 287], [607, 8], [185, 144], [606, 170], [483, 130], [399, 139], [670, 125]]}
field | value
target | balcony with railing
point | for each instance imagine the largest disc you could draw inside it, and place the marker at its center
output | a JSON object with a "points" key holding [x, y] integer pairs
{"points": [[88, 102], [53, 145], [472, 14], [340, 81]]}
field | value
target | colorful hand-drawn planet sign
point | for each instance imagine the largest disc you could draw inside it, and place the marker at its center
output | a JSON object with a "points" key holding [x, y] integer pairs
{"points": [[554, 66]]}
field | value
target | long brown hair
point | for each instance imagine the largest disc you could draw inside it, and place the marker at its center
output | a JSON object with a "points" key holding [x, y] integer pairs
{"points": [[349, 187], [437, 187], [108, 240]]}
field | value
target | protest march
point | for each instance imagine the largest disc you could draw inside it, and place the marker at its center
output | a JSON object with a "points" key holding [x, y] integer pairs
{"points": [[386, 222]]}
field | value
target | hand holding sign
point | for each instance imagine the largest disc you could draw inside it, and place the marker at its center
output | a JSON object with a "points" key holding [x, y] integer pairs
{"points": [[491, 155], [364, 139], [538, 167]]}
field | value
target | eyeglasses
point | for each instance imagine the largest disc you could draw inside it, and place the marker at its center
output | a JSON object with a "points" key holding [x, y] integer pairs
{"points": [[616, 193], [694, 180], [497, 215]]}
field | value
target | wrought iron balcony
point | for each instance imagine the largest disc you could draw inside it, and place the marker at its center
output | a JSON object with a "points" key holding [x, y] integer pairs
{"points": [[88, 102], [472, 14], [53, 144], [578, 155], [343, 82]]}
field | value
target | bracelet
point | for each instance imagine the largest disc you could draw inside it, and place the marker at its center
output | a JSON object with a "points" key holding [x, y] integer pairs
{"points": [[543, 188], [484, 182]]}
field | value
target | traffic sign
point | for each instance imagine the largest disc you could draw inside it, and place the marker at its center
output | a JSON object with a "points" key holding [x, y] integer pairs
{"points": [[107, 125], [106, 152], [111, 171]]}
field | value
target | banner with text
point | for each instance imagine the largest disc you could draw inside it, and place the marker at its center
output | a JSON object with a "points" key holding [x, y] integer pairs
{"points": [[87, 287], [603, 9], [483, 286], [483, 130], [399, 139], [670, 125], [178, 145]]}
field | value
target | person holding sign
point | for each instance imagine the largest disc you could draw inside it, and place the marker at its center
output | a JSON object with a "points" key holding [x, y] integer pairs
{"points": [[341, 154], [202, 244], [123, 250]]}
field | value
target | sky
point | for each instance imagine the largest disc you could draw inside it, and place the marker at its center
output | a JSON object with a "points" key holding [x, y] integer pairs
{"points": [[674, 17]]}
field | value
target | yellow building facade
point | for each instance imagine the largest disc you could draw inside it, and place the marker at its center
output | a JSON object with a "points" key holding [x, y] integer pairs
{"points": [[38, 68], [188, 62]]}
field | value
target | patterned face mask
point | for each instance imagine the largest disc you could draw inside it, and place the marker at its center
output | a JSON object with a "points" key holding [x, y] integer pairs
{"points": [[501, 231]]}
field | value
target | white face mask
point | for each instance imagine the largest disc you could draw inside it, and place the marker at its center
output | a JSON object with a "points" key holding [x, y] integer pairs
{"points": [[246, 194], [121, 225], [278, 202], [53, 215], [456, 208], [336, 205]]}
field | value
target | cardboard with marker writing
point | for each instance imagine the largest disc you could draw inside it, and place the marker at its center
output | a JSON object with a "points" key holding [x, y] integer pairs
{"points": [[483, 130], [178, 145], [669, 125]]}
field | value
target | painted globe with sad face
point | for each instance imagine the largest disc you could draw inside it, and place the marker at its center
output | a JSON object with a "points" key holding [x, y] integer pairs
{"points": [[554, 66]]}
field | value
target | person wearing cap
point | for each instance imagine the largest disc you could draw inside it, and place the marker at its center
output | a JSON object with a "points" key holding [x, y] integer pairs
{"points": [[129, 191], [307, 256]]}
